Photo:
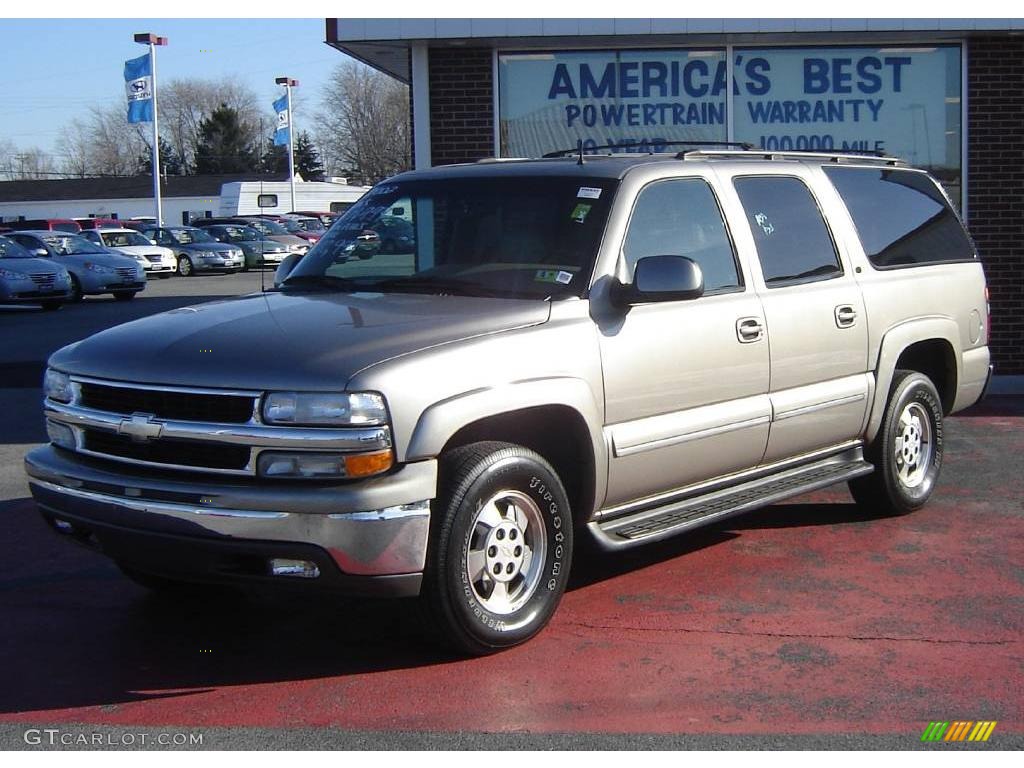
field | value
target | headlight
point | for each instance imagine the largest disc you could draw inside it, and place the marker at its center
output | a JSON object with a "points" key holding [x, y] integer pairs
{"points": [[307, 464], [298, 248], [99, 268], [338, 409], [57, 386]]}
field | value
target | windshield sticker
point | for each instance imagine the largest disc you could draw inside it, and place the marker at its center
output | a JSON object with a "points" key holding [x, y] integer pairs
{"points": [[593, 193], [553, 276], [764, 223], [579, 213]]}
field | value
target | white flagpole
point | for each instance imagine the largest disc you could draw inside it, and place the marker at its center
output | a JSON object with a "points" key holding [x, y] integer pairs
{"points": [[291, 144], [148, 38], [156, 141], [288, 82]]}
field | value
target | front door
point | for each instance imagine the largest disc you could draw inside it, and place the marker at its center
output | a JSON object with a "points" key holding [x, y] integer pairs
{"points": [[686, 382]]}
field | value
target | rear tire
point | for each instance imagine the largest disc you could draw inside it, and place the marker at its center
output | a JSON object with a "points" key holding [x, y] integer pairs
{"points": [[500, 550], [907, 452]]}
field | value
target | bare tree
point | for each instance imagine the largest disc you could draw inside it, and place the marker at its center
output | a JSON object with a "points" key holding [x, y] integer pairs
{"points": [[33, 163], [363, 125], [185, 103], [8, 151], [74, 147]]}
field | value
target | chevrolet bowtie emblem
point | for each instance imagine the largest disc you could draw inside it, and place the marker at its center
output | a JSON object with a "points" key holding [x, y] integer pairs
{"points": [[140, 427]]}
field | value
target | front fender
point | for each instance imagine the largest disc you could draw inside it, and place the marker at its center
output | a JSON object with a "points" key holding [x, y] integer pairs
{"points": [[439, 422]]}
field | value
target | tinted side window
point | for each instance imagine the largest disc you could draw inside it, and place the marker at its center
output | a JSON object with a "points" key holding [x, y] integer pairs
{"points": [[793, 243], [682, 218], [901, 217]]}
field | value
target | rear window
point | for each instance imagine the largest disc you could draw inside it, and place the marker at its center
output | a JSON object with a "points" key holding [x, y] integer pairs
{"points": [[902, 217]]}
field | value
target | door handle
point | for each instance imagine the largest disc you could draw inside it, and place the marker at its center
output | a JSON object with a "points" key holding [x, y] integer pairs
{"points": [[749, 329], [846, 316]]}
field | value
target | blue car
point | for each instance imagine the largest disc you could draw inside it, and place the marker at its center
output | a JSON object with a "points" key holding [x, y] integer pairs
{"points": [[25, 279], [93, 269]]}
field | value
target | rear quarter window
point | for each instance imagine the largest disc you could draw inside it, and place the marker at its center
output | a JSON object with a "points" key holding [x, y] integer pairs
{"points": [[901, 216]]}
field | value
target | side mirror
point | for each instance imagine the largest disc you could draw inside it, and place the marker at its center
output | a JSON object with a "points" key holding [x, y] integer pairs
{"points": [[42, 253], [152, 241], [285, 267], [661, 278]]}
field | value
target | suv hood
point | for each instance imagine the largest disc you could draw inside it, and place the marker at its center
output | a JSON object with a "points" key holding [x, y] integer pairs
{"points": [[312, 341]]}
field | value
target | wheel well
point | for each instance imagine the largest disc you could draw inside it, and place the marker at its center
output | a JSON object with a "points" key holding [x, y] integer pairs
{"points": [[936, 359], [556, 432]]}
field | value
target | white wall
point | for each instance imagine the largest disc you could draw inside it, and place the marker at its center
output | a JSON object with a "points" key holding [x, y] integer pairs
{"points": [[125, 208]]}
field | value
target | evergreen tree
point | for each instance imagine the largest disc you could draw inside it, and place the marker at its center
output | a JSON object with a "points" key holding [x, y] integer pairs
{"points": [[275, 158], [170, 163], [222, 146], [307, 159]]}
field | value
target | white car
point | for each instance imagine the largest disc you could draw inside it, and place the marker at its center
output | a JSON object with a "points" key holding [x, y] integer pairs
{"points": [[155, 259]]}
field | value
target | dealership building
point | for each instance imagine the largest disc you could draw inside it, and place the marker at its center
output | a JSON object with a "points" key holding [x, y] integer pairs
{"points": [[943, 94]]}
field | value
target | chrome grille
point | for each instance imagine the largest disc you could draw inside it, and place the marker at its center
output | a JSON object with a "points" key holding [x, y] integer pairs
{"points": [[168, 404], [44, 282], [184, 453], [126, 273]]}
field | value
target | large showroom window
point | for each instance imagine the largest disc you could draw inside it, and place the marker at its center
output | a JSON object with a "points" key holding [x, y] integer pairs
{"points": [[549, 101], [900, 100], [903, 100]]}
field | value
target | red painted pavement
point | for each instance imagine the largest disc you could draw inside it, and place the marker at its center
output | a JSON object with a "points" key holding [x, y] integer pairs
{"points": [[809, 617]]}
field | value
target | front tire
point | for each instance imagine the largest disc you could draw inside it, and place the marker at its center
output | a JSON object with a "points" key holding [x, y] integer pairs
{"points": [[501, 547], [184, 266], [51, 305], [907, 452], [125, 295]]}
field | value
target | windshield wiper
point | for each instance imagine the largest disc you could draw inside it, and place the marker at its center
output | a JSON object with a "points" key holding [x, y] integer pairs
{"points": [[328, 282], [437, 285]]}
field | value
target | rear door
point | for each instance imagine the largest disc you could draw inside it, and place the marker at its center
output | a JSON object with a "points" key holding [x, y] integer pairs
{"points": [[817, 325]]}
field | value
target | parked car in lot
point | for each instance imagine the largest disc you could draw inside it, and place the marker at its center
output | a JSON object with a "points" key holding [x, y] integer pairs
{"points": [[308, 228], [93, 268], [55, 225], [97, 222], [327, 218], [25, 278], [195, 250], [258, 250], [622, 348], [270, 229], [155, 260]]}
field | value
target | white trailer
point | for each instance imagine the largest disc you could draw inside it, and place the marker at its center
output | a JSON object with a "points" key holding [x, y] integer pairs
{"points": [[245, 198]]}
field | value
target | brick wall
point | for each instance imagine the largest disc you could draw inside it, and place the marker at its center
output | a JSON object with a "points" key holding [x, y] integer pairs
{"points": [[461, 105], [995, 191]]}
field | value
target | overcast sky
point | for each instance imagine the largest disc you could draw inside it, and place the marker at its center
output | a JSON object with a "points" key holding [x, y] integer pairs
{"points": [[57, 68]]}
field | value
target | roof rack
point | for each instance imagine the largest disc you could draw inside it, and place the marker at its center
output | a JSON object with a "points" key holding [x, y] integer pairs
{"points": [[864, 156], [579, 148]]}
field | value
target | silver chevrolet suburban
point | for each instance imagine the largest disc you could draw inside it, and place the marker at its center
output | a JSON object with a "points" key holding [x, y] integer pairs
{"points": [[621, 347]]}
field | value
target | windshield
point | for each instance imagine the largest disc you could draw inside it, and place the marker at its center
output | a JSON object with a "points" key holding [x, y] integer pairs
{"points": [[268, 227], [237, 234], [11, 250], [522, 237], [123, 239], [188, 236], [304, 225], [66, 245]]}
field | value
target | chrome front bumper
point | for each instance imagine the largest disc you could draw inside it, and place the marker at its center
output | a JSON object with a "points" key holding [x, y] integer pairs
{"points": [[374, 530]]}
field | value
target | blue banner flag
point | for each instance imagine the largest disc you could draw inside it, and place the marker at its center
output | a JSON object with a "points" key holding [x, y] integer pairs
{"points": [[138, 85], [283, 121]]}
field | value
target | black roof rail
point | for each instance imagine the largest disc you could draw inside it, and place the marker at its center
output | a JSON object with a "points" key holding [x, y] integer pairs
{"points": [[579, 149]]}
